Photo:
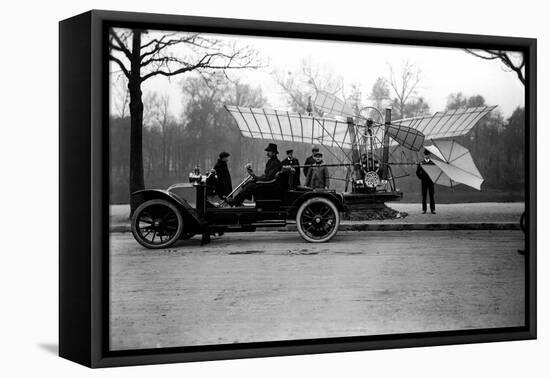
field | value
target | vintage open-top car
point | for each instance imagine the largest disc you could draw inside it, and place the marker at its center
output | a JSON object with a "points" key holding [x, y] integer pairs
{"points": [[164, 216]]}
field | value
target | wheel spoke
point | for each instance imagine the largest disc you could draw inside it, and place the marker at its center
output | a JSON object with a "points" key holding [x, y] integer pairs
{"points": [[326, 212]]}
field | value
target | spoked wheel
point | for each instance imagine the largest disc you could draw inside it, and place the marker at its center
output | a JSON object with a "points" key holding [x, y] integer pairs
{"points": [[157, 224], [318, 220]]}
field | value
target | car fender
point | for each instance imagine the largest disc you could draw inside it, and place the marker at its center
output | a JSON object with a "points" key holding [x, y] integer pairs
{"points": [[336, 198], [189, 214]]}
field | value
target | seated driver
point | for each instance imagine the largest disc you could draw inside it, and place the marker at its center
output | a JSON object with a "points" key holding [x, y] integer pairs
{"points": [[263, 182]]}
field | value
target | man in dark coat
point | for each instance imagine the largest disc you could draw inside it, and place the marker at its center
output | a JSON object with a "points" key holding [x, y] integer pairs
{"points": [[266, 182], [427, 183], [294, 178], [310, 160], [317, 176], [222, 183]]}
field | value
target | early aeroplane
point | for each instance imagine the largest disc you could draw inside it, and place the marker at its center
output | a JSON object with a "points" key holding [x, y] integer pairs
{"points": [[366, 135], [355, 140]]}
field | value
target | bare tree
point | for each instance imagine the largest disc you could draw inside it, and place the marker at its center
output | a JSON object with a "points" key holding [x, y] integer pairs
{"points": [[513, 61], [302, 84], [403, 84], [380, 93], [142, 54], [157, 111]]}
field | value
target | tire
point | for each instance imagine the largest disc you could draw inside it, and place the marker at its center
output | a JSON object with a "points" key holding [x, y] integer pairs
{"points": [[318, 220], [157, 224]]}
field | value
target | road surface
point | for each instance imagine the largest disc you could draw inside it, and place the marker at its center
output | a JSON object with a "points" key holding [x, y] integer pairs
{"points": [[268, 286]]}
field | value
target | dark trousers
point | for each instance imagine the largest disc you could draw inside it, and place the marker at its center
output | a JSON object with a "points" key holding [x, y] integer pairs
{"points": [[428, 187], [267, 188], [245, 192]]}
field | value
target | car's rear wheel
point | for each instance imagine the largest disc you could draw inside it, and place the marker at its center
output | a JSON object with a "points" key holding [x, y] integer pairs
{"points": [[157, 224], [318, 220]]}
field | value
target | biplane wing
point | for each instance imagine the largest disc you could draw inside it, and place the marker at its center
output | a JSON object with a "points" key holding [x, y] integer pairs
{"points": [[286, 126], [270, 124], [450, 123]]}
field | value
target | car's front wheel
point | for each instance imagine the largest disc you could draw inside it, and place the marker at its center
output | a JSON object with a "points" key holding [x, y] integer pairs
{"points": [[318, 220], [157, 224]]}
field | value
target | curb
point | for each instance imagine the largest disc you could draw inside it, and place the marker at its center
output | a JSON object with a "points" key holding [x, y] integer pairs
{"points": [[485, 226], [430, 226]]}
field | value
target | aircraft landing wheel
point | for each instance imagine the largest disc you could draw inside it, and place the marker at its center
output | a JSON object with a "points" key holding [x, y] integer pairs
{"points": [[317, 220]]}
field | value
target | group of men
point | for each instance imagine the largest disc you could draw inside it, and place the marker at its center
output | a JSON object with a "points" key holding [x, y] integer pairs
{"points": [[316, 175]]}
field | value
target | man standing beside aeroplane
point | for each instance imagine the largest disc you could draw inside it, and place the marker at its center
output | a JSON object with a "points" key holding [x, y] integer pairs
{"points": [[310, 160], [427, 183], [291, 161]]}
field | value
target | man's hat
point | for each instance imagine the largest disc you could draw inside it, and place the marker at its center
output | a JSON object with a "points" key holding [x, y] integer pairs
{"points": [[315, 149], [289, 151], [272, 147], [426, 152], [318, 154], [224, 154]]}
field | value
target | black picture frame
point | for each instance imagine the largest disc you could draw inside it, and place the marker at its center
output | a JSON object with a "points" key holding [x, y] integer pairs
{"points": [[84, 180]]}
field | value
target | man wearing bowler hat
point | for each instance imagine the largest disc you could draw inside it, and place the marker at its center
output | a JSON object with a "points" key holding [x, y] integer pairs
{"points": [[291, 161], [267, 181], [427, 183]]}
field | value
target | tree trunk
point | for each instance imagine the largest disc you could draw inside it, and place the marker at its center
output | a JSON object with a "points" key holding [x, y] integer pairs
{"points": [[137, 181]]}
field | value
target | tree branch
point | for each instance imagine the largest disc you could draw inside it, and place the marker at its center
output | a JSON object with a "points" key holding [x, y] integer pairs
{"points": [[121, 65], [504, 57], [121, 46]]}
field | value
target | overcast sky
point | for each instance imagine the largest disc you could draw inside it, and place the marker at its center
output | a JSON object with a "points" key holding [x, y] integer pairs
{"points": [[444, 70]]}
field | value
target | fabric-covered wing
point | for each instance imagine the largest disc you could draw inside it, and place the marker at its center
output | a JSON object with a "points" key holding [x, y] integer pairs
{"points": [[330, 104], [446, 124], [459, 175], [407, 137], [285, 126], [456, 162], [438, 176], [460, 164]]}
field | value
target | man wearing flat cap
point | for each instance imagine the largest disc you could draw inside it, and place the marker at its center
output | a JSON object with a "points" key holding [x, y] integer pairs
{"points": [[222, 177], [291, 161], [267, 181], [310, 160], [317, 176]]}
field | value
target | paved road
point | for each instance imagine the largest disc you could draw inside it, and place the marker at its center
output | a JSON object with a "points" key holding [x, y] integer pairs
{"points": [[272, 286]]}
